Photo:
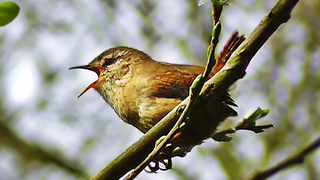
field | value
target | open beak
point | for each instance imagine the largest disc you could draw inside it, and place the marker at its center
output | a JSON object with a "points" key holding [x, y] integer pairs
{"points": [[97, 70]]}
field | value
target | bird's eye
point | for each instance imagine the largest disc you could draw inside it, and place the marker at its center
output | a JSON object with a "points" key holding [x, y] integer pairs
{"points": [[109, 61]]}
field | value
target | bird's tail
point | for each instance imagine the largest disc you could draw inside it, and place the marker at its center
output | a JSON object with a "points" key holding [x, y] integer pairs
{"points": [[233, 43]]}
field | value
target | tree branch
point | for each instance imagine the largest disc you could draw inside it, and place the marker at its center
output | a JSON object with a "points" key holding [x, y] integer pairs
{"points": [[297, 158], [231, 72]]}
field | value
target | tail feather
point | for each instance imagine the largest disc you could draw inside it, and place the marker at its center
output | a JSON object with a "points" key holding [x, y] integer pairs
{"points": [[229, 102], [233, 43]]}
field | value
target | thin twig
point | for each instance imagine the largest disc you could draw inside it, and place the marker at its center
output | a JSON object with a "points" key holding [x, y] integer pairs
{"points": [[194, 94], [297, 158]]}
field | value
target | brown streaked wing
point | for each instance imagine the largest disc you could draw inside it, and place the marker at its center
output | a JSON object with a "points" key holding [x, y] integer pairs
{"points": [[175, 82]]}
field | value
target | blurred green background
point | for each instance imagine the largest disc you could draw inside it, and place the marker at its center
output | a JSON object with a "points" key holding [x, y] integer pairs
{"points": [[47, 133]]}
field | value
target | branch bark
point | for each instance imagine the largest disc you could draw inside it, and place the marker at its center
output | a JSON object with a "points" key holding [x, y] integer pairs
{"points": [[230, 73]]}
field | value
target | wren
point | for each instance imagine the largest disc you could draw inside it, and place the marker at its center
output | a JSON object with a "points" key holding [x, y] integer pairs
{"points": [[142, 91]]}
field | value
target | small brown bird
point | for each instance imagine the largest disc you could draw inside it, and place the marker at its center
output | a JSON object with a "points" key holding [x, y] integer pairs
{"points": [[142, 91]]}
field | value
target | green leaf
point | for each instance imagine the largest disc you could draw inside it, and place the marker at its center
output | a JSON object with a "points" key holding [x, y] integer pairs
{"points": [[264, 112], [195, 84], [201, 2], [216, 30], [222, 136], [252, 116], [215, 2], [8, 11]]}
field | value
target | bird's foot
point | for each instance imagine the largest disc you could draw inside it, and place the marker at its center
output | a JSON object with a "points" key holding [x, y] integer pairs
{"points": [[163, 164], [159, 165]]}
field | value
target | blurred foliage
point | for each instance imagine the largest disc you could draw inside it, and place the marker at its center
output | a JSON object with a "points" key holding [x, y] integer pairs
{"points": [[46, 133]]}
